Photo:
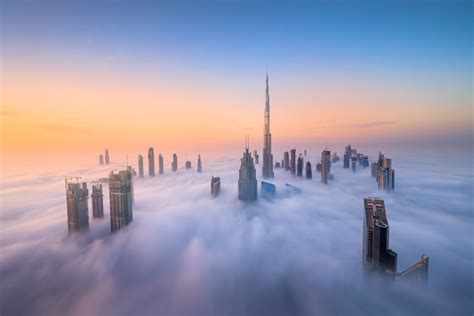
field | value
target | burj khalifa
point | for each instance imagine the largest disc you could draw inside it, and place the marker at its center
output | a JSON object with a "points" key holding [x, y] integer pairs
{"points": [[267, 168]]}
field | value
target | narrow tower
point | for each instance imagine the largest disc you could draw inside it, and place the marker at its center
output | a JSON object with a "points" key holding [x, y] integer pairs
{"points": [[247, 178], [199, 164], [267, 168]]}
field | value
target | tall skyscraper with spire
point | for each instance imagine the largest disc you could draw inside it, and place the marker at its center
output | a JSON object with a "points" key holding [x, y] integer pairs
{"points": [[267, 169]]}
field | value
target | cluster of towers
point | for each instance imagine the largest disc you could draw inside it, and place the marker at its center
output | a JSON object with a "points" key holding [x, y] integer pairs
{"points": [[151, 164], [104, 159], [376, 254], [352, 158], [384, 174], [120, 197]]}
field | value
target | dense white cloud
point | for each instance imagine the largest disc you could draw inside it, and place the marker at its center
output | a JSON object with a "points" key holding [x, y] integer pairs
{"points": [[187, 253]]}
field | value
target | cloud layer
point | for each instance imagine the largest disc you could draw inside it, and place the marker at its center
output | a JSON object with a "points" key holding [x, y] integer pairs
{"points": [[186, 253]]}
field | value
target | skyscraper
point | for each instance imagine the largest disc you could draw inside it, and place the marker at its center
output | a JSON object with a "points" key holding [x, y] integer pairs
{"points": [[325, 165], [107, 157], [255, 154], [97, 200], [385, 174], [174, 163], [293, 161], [151, 162], [376, 254], [140, 166], [267, 168], [160, 164], [215, 186], [347, 157], [187, 164], [77, 209], [247, 178], [309, 172], [299, 166], [353, 163], [121, 199], [101, 159], [286, 160], [199, 169]]}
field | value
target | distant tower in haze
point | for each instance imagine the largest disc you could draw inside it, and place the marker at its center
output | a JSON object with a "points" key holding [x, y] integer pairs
{"points": [[187, 164], [160, 164], [151, 162], [286, 160], [101, 159], [215, 186], [293, 161], [347, 157], [97, 200], [121, 199], [325, 165], [247, 178], [199, 168], [385, 174], [255, 154], [77, 209], [309, 172], [376, 254], [174, 163], [267, 168], [299, 167], [140, 166], [107, 157]]}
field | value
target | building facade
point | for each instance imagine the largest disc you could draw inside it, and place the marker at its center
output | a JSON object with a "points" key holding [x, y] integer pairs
{"points": [[247, 178], [97, 197], [376, 254], [77, 196], [325, 165], [121, 199]]}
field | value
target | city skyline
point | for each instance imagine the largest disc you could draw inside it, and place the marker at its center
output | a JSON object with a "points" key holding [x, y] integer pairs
{"points": [[153, 112], [422, 90]]}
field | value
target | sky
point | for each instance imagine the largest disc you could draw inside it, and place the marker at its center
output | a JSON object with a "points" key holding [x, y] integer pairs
{"points": [[80, 76], [186, 253]]}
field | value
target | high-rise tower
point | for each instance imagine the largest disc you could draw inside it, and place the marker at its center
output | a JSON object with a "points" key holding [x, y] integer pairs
{"points": [[160, 164], [267, 169], [376, 254], [151, 162], [121, 199], [140, 166], [247, 178], [199, 164], [97, 200], [77, 209]]}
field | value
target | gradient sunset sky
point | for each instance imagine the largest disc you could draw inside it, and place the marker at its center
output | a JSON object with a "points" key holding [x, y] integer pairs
{"points": [[82, 76]]}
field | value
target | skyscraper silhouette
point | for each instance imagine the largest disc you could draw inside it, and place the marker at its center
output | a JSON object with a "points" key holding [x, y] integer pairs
{"points": [[199, 168], [97, 200], [151, 162], [160, 164], [140, 166], [267, 168], [121, 199], [77, 208], [247, 178]]}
